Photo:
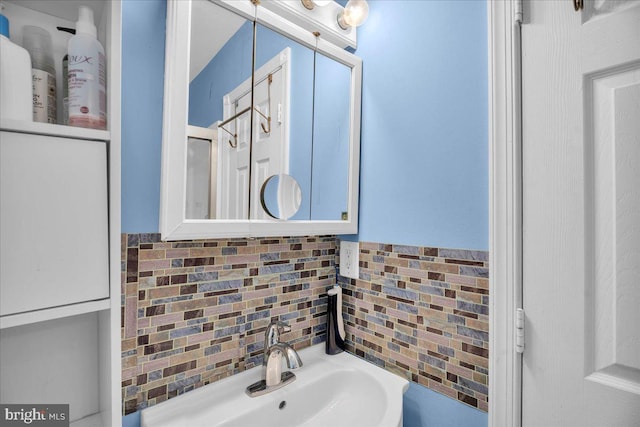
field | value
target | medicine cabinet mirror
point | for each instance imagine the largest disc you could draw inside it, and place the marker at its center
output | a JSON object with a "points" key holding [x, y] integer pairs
{"points": [[256, 107]]}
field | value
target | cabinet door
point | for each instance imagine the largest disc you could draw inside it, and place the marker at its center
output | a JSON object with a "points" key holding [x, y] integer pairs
{"points": [[54, 222]]}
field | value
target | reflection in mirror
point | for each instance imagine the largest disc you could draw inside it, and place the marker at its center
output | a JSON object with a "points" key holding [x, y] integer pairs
{"points": [[284, 94], [213, 170], [331, 136], [220, 65], [202, 167], [281, 196]]}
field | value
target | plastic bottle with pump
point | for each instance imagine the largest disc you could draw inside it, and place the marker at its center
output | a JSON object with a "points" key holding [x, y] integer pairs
{"points": [[87, 75], [15, 77]]}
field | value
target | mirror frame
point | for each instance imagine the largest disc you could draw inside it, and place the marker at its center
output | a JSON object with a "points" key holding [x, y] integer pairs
{"points": [[173, 222]]}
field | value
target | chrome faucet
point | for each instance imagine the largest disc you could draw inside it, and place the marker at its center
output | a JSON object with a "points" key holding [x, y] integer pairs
{"points": [[274, 375], [272, 336], [274, 351]]}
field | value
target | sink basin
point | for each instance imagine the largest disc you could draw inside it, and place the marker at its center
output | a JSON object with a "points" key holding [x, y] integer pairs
{"points": [[340, 390]]}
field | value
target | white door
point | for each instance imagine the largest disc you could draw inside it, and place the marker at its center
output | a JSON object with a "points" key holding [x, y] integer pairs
{"points": [[234, 171], [581, 213], [270, 152]]}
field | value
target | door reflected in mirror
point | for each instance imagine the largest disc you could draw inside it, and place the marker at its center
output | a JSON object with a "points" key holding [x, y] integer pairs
{"points": [[283, 97], [280, 196], [220, 69]]}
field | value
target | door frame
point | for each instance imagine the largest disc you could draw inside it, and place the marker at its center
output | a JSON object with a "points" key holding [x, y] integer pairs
{"points": [[505, 210]]}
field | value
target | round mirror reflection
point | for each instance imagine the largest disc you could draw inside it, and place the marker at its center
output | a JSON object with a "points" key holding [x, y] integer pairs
{"points": [[281, 196]]}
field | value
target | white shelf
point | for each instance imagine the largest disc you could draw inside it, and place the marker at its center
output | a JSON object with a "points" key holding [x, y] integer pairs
{"points": [[20, 319], [54, 130]]}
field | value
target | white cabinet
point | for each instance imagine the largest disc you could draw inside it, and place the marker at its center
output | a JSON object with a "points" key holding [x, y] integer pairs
{"points": [[53, 222], [60, 240]]}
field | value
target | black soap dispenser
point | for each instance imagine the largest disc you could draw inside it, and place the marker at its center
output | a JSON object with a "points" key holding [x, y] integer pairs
{"points": [[335, 323]]}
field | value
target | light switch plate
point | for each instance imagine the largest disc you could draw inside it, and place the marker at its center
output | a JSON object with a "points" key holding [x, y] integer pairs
{"points": [[350, 259]]}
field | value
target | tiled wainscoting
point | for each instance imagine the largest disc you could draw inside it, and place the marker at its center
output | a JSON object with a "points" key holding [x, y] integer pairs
{"points": [[423, 313], [194, 312]]}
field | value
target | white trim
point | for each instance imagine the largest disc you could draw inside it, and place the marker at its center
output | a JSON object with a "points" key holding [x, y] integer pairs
{"points": [[173, 224], [109, 338], [29, 317], [174, 123], [505, 191], [61, 131]]}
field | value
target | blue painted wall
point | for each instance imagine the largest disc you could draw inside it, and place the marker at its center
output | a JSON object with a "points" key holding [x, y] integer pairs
{"points": [[131, 420], [424, 150], [426, 408], [228, 69], [143, 34], [330, 139]]}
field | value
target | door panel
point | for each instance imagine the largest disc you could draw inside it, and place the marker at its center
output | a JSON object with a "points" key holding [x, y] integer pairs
{"points": [[270, 149], [234, 176], [581, 215], [612, 130]]}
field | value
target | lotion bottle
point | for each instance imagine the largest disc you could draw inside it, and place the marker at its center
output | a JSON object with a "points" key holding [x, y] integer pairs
{"points": [[43, 73], [87, 75], [16, 99], [65, 80]]}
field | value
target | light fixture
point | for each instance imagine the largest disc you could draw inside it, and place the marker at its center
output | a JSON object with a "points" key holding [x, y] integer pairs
{"points": [[310, 4], [354, 14]]}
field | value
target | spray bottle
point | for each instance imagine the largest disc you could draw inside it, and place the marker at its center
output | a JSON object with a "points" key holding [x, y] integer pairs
{"points": [[87, 75]]}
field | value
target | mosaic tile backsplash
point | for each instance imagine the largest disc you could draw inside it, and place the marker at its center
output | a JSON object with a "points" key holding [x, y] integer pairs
{"points": [[423, 313], [194, 312]]}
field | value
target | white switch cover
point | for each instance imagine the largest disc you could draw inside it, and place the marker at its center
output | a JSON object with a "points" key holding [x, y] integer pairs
{"points": [[350, 259]]}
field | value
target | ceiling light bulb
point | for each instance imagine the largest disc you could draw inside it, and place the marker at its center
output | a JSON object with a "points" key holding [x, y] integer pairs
{"points": [[354, 14], [310, 4]]}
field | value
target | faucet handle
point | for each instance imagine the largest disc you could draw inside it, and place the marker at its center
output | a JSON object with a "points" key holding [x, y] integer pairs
{"points": [[278, 325], [282, 326], [273, 331]]}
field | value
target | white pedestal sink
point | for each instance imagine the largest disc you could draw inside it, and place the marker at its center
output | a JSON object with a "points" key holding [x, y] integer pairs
{"points": [[340, 390]]}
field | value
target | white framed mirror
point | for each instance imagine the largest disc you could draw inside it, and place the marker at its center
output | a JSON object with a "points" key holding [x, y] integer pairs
{"points": [[249, 95]]}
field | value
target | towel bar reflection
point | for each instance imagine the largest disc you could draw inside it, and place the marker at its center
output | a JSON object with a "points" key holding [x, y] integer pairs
{"points": [[234, 135], [235, 116], [265, 129]]}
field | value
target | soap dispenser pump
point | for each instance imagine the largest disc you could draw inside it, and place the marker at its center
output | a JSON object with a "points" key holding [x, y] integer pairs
{"points": [[335, 324]]}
